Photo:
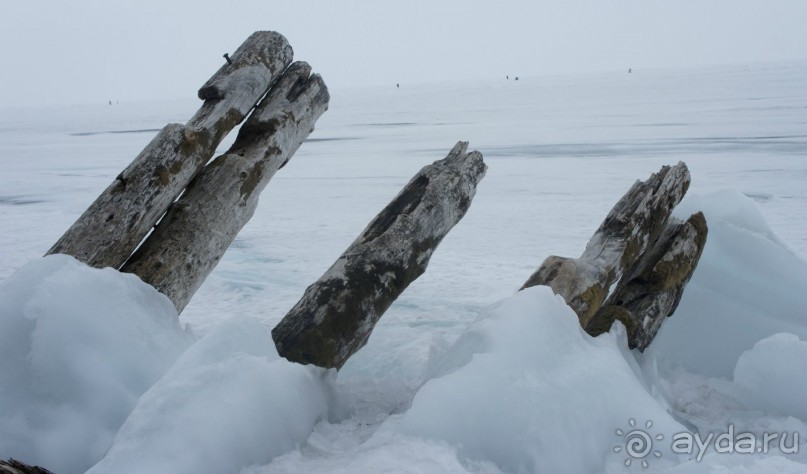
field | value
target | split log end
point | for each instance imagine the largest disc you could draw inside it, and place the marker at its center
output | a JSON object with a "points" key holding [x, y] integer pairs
{"points": [[651, 294], [636, 265], [267, 49]]}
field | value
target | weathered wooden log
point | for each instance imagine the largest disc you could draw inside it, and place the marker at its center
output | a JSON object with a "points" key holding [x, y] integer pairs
{"points": [[12, 466], [109, 230], [336, 314], [197, 229], [629, 230], [653, 290]]}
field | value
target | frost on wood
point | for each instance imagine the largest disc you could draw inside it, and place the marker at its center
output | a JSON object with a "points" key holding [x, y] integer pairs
{"points": [[636, 265], [197, 230], [336, 314], [108, 232]]}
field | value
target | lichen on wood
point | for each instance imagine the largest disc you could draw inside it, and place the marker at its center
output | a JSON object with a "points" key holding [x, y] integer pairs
{"points": [[635, 267], [338, 312], [633, 224], [107, 233], [655, 287], [197, 229]]}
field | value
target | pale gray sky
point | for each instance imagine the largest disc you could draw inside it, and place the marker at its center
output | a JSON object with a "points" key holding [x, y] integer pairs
{"points": [[56, 51]]}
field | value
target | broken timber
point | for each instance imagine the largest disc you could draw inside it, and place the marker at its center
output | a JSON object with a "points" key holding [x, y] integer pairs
{"points": [[12, 466], [636, 265], [654, 289], [112, 227], [198, 228], [337, 313]]}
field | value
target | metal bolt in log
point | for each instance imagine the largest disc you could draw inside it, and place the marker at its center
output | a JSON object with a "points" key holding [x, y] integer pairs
{"points": [[197, 230], [337, 313], [110, 229]]}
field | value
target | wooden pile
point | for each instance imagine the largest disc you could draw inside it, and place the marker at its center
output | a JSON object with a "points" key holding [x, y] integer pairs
{"points": [[172, 213], [636, 265]]}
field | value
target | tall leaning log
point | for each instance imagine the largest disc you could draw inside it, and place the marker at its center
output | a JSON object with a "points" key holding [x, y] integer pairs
{"points": [[626, 233], [336, 314], [197, 230], [109, 230], [652, 292]]}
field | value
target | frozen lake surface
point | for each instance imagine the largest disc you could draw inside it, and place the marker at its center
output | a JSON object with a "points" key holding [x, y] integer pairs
{"points": [[561, 150]]}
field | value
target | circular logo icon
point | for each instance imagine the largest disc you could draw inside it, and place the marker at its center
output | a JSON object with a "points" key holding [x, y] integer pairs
{"points": [[637, 443]]}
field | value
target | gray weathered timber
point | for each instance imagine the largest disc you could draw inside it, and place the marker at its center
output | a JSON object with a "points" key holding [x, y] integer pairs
{"points": [[12, 466], [196, 231], [628, 231], [653, 290], [337, 313], [109, 230], [235, 88]]}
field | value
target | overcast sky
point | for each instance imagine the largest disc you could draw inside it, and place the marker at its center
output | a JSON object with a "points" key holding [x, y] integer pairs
{"points": [[57, 51]]}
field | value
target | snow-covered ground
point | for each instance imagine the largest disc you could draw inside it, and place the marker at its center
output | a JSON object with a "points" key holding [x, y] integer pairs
{"points": [[460, 374]]}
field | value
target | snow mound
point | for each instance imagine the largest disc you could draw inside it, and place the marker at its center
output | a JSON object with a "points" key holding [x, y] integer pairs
{"points": [[96, 371], [748, 286], [385, 452], [524, 389], [773, 377], [537, 394], [78, 346], [230, 401]]}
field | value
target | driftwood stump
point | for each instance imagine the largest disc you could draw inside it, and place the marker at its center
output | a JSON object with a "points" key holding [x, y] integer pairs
{"points": [[336, 314], [198, 228], [653, 290], [636, 265], [109, 230]]}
